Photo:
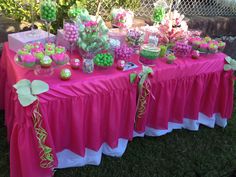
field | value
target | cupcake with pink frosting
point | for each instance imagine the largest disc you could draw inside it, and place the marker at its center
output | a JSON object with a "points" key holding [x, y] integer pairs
{"points": [[28, 60], [38, 54], [204, 47], [60, 58], [49, 51], [193, 39], [21, 53], [60, 49], [38, 45]]}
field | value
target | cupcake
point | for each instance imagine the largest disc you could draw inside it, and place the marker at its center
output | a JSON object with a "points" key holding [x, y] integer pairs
{"points": [[38, 45], [213, 48], [39, 54], [49, 51], [196, 44], [207, 39], [170, 58], [29, 47], [59, 58], [214, 42], [203, 47], [28, 60], [60, 49], [46, 62], [221, 46], [192, 40], [22, 52], [50, 45]]}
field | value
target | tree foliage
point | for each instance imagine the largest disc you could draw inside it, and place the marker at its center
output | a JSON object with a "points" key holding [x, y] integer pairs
{"points": [[20, 10]]}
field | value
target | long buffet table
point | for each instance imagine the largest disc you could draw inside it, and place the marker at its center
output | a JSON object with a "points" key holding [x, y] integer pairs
{"points": [[95, 113]]}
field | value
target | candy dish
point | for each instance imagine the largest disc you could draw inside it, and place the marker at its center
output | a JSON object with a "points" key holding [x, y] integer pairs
{"points": [[124, 53], [103, 60], [149, 54], [42, 62], [182, 49]]}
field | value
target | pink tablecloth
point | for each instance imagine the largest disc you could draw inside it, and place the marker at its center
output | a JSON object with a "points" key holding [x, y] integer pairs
{"points": [[91, 109]]}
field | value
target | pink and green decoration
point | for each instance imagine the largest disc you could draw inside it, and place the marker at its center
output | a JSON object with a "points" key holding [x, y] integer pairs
{"points": [[144, 93], [230, 64], [27, 95], [159, 11]]}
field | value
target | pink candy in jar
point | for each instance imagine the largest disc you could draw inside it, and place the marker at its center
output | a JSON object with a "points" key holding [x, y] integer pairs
{"points": [[123, 53], [182, 49], [71, 32]]}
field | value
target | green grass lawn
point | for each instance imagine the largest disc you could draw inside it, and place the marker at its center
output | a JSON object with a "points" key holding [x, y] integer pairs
{"points": [[182, 153]]}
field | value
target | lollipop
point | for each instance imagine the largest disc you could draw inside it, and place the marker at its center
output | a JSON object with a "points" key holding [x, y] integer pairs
{"points": [[48, 10]]}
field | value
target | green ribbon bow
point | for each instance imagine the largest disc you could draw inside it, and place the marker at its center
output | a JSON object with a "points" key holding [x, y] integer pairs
{"points": [[27, 91], [144, 75], [231, 64]]}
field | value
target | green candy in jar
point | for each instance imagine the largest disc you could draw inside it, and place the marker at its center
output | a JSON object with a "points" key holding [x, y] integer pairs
{"points": [[48, 10]]}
